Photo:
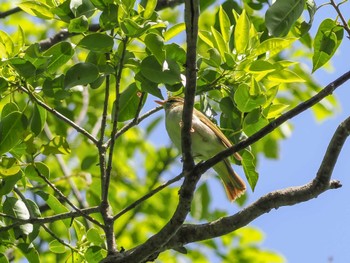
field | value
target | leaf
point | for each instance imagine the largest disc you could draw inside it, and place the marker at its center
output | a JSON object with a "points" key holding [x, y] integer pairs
{"points": [[327, 40], [17, 208], [225, 24], [94, 236], [31, 172], [253, 122], [95, 254], [249, 167], [9, 166], [109, 17], [245, 101], [201, 202], [36, 8], [155, 44], [58, 145], [220, 43], [9, 182], [24, 68], [12, 128], [152, 70], [97, 42], [38, 119], [55, 205], [56, 247], [6, 40], [285, 76], [148, 86], [78, 25], [149, 9], [281, 16], [3, 258], [81, 74], [128, 103], [242, 33], [272, 46], [29, 251], [8, 108], [59, 54], [174, 31]]}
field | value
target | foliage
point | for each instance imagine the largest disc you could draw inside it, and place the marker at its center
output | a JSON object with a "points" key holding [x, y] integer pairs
{"points": [[69, 100]]}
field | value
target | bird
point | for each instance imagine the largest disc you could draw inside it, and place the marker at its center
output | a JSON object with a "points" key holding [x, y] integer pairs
{"points": [[207, 141]]}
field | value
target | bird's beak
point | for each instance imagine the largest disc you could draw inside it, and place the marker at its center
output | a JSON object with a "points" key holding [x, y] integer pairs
{"points": [[160, 102]]}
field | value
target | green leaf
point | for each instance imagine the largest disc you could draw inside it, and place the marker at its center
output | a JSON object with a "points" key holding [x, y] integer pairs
{"points": [[148, 86], [9, 108], [55, 205], [249, 167], [18, 40], [225, 24], [285, 76], [109, 17], [220, 43], [58, 145], [78, 25], [9, 166], [38, 119], [242, 33], [56, 247], [128, 103], [201, 202], [247, 102], [31, 172], [149, 9], [81, 7], [97, 42], [253, 122], [94, 254], [272, 46], [9, 182], [174, 31], [281, 16], [81, 74], [29, 251], [6, 40], [276, 110], [12, 128], [95, 237], [36, 8], [3, 258], [24, 68], [327, 40], [133, 29], [155, 44], [17, 208], [59, 54], [152, 70]]}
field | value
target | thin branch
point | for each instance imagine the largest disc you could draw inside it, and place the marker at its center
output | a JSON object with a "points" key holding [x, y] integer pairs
{"points": [[161, 4], [328, 90], [48, 230], [53, 187], [49, 219], [337, 9], [60, 116], [148, 195], [10, 12]]}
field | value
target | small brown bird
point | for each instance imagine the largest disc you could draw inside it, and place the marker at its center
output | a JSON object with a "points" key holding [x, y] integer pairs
{"points": [[207, 141]]}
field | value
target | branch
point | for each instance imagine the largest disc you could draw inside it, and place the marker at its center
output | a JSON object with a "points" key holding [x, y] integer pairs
{"points": [[161, 4], [60, 116], [328, 90], [345, 24], [50, 219], [285, 197], [10, 12]]}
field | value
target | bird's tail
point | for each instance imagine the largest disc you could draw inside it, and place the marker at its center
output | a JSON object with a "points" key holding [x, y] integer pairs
{"points": [[234, 185]]}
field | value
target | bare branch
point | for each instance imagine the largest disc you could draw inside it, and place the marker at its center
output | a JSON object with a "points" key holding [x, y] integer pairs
{"points": [[337, 9], [10, 12], [161, 4]]}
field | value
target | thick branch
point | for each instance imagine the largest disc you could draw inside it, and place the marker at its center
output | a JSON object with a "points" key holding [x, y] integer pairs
{"points": [[10, 12], [285, 197]]}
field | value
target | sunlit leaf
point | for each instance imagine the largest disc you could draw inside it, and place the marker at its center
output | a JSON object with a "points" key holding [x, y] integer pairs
{"points": [[9, 166], [97, 42], [81, 74], [174, 31], [59, 55], [242, 33], [249, 167], [36, 8], [58, 145]]}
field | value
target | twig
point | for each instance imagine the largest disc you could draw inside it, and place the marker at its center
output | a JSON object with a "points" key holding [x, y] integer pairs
{"points": [[148, 195], [48, 219], [67, 200], [60, 116], [10, 12], [48, 230], [345, 24]]}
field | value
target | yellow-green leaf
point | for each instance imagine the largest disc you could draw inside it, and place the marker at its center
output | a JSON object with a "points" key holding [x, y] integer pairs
{"points": [[242, 33]]}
